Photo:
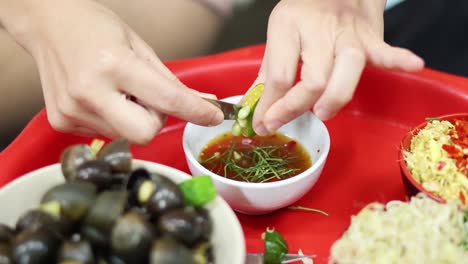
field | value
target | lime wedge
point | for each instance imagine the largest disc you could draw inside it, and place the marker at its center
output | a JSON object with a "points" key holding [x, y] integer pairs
{"points": [[249, 101], [252, 97]]}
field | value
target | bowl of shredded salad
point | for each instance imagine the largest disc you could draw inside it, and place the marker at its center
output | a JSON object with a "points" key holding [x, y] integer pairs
{"points": [[434, 158], [420, 230]]}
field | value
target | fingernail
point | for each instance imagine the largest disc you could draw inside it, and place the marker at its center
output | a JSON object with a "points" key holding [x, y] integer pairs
{"points": [[274, 125], [260, 130], [209, 96], [322, 114]]}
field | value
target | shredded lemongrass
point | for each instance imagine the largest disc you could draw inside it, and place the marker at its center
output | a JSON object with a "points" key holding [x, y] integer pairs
{"points": [[419, 231], [307, 209]]}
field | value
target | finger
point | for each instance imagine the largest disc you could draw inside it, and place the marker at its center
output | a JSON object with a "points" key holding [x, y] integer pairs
{"points": [[80, 116], [317, 60], [86, 132], [145, 52], [283, 50], [383, 55], [347, 71], [128, 119], [63, 124], [203, 95], [165, 95], [49, 80]]}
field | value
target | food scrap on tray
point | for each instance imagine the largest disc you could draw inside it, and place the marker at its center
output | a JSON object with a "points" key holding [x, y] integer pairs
{"points": [[438, 158], [109, 212], [419, 231]]}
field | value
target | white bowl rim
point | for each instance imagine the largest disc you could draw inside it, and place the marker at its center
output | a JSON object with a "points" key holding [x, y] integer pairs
{"points": [[255, 185]]}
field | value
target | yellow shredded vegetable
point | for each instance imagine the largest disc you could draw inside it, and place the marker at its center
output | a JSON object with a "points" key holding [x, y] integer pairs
{"points": [[430, 165]]}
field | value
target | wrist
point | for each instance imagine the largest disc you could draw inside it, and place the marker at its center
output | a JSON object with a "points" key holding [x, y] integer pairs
{"points": [[17, 16]]}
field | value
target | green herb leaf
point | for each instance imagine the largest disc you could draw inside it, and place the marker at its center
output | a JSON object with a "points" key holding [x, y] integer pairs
{"points": [[198, 191], [267, 164], [432, 119], [307, 209], [275, 247]]}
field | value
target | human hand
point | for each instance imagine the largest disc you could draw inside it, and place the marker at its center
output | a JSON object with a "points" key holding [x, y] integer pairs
{"points": [[333, 39], [91, 62]]}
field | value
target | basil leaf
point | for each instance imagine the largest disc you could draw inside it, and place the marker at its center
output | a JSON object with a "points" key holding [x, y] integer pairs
{"points": [[198, 191]]}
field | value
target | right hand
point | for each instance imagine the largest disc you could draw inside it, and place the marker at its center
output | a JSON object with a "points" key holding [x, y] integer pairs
{"points": [[333, 39], [90, 62]]}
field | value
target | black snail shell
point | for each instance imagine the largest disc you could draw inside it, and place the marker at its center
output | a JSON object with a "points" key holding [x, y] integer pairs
{"points": [[118, 155], [182, 225], [76, 252], [204, 222], [101, 217], [119, 179], [135, 181], [36, 219], [97, 172], [74, 198], [107, 213], [6, 233], [131, 238], [166, 196], [203, 253], [35, 247], [167, 250], [72, 157]]}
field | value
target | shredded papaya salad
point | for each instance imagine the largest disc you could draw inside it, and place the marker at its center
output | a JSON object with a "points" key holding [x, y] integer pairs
{"points": [[419, 231], [438, 158]]}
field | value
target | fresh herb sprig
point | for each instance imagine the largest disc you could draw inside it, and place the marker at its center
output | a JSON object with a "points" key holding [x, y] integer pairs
{"points": [[255, 163], [266, 164]]}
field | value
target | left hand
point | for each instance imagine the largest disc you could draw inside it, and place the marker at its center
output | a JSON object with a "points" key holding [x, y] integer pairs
{"points": [[333, 39]]}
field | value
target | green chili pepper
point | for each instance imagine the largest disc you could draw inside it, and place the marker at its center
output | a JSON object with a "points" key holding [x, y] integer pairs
{"points": [[275, 247]]}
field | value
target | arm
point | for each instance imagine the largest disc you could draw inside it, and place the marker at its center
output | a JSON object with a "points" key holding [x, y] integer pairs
{"points": [[90, 61]]}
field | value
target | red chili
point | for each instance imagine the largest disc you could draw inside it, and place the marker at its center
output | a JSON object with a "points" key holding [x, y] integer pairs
{"points": [[452, 151], [290, 144], [441, 165], [459, 137], [462, 163], [462, 198]]}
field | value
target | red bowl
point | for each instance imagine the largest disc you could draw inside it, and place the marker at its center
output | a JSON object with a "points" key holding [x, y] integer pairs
{"points": [[412, 187]]}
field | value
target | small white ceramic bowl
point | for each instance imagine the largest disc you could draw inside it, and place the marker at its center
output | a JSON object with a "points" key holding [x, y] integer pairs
{"points": [[26, 192], [261, 198]]}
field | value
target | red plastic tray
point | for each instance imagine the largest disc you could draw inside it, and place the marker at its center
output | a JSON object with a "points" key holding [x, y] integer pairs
{"points": [[362, 166]]}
